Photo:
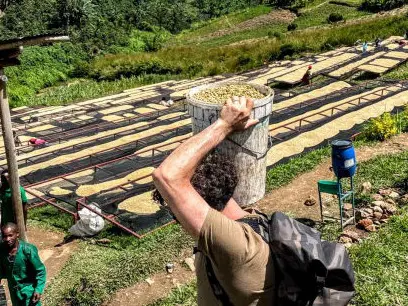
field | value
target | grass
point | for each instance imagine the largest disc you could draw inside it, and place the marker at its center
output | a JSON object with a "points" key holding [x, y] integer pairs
{"points": [[381, 265], [352, 3], [82, 89], [242, 36], [93, 273], [185, 295], [51, 217], [316, 17], [195, 61], [401, 73], [283, 174], [200, 29]]}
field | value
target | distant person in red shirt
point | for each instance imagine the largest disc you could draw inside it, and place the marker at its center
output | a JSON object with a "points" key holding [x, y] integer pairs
{"points": [[307, 77], [38, 142]]}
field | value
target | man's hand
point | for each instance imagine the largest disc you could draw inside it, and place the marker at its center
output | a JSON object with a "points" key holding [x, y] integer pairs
{"points": [[236, 113], [35, 298]]}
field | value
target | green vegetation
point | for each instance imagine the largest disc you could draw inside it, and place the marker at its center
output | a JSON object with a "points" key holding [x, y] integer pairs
{"points": [[185, 295], [385, 126], [315, 17], [54, 218], [94, 272], [282, 174], [401, 73], [335, 17], [204, 28], [380, 265], [81, 89], [352, 3], [381, 128], [197, 61], [382, 5]]}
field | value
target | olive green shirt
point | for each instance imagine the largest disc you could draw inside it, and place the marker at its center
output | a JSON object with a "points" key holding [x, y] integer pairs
{"points": [[7, 212], [25, 274], [241, 261]]}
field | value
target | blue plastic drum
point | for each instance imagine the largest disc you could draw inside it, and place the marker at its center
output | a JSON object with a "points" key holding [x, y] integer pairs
{"points": [[343, 158]]}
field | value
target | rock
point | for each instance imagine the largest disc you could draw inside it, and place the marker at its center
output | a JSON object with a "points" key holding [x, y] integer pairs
{"points": [[391, 201], [377, 203], [385, 191], [149, 281], [370, 228], [404, 199], [383, 220], [190, 263], [175, 282], [364, 223], [394, 195], [310, 201], [368, 210], [350, 234], [347, 214], [377, 209], [377, 197], [376, 222], [104, 241], [170, 268], [361, 214], [366, 188], [344, 239], [384, 216], [377, 215], [347, 245], [348, 206], [389, 208]]}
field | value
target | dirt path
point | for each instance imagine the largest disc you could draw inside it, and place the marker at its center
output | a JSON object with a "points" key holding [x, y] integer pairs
{"points": [[144, 294], [291, 197], [53, 257]]}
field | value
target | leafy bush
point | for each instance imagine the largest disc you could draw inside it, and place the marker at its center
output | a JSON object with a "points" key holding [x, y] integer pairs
{"points": [[277, 35], [335, 17], [292, 26], [382, 5], [381, 128], [113, 67], [291, 49]]}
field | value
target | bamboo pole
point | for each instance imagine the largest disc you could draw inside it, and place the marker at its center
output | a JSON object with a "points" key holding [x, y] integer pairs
{"points": [[11, 156], [31, 41]]}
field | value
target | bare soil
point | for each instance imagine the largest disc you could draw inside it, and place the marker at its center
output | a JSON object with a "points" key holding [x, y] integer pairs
{"points": [[143, 293]]}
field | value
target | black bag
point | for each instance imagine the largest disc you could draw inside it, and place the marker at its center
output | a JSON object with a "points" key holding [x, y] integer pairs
{"points": [[309, 271]]}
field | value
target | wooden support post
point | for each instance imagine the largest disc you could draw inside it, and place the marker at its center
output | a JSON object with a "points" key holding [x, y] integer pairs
{"points": [[11, 157]]}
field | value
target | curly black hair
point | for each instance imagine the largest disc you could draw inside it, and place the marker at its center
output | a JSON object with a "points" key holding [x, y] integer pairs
{"points": [[215, 180]]}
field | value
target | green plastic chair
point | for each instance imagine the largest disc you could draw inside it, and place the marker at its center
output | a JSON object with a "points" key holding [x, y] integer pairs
{"points": [[335, 187]]}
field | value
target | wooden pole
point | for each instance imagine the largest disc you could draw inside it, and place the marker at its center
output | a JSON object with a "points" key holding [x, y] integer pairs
{"points": [[11, 156]]}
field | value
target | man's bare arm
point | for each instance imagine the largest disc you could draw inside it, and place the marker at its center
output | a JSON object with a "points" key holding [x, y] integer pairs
{"points": [[173, 177]]}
